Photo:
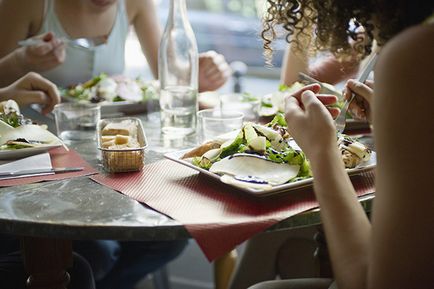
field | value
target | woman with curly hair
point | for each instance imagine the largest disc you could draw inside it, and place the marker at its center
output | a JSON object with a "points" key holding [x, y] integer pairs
{"points": [[394, 250]]}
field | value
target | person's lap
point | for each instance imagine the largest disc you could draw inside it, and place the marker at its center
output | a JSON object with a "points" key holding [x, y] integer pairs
{"points": [[122, 264], [113, 264]]}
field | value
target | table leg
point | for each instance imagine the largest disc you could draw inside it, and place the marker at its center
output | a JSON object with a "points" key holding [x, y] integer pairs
{"points": [[223, 269], [46, 261]]}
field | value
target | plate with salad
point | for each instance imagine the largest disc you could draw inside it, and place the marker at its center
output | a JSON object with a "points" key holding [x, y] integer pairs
{"points": [[116, 94], [19, 136], [264, 159]]}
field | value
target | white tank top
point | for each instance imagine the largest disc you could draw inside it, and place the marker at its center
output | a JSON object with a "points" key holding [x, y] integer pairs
{"points": [[82, 64]]}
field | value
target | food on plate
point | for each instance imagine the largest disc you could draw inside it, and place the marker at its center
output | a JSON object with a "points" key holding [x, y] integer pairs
{"points": [[263, 156], [122, 144], [353, 152], [200, 150], [104, 88], [28, 135], [10, 114], [17, 132]]}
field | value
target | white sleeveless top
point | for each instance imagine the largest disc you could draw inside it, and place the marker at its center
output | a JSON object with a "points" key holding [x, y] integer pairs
{"points": [[82, 64]]}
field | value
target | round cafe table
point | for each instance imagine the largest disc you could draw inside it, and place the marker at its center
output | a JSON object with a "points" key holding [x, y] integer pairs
{"points": [[48, 215]]}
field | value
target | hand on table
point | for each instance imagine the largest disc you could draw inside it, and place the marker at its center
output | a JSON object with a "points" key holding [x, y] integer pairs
{"points": [[309, 121], [360, 107], [32, 88], [214, 71], [41, 57]]}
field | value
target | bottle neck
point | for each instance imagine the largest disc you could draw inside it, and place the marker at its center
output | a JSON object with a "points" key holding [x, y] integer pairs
{"points": [[178, 11]]}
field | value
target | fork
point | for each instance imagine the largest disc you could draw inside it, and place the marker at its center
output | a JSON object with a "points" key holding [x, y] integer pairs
{"points": [[84, 42], [340, 121]]}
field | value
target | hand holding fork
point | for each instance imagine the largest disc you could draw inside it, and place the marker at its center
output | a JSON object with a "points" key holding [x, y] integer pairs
{"points": [[340, 121]]}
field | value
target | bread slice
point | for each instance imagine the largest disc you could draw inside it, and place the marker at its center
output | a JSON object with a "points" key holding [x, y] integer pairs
{"points": [[122, 128]]}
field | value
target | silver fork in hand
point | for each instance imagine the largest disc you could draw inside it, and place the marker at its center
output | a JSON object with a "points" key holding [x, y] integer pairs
{"points": [[84, 42], [340, 121]]}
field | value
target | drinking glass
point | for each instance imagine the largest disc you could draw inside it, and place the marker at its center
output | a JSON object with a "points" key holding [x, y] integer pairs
{"points": [[212, 123], [77, 121]]}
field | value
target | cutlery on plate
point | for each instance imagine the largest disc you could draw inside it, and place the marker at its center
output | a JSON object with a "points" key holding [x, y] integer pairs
{"points": [[41, 171], [84, 42], [340, 121]]}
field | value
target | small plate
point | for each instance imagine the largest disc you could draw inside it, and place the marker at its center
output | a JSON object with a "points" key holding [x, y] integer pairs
{"points": [[176, 156], [25, 152]]}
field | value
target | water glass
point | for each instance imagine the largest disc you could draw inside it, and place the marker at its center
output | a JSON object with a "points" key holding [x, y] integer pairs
{"points": [[212, 123], [77, 121]]}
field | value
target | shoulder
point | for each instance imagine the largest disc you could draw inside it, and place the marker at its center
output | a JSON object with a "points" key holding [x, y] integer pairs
{"points": [[23, 11], [27, 8], [403, 79], [136, 8], [409, 51]]}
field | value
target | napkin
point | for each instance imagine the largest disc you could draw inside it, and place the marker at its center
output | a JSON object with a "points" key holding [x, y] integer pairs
{"points": [[59, 158], [40, 161]]}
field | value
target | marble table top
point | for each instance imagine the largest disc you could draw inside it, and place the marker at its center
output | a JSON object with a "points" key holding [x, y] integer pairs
{"points": [[79, 208]]}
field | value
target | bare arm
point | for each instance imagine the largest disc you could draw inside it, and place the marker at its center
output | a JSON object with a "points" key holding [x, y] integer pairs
{"points": [[396, 251], [403, 218], [295, 60], [147, 28], [20, 19], [346, 225], [12, 29], [328, 70]]}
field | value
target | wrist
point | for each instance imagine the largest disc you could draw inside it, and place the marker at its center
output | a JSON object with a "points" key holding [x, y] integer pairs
{"points": [[19, 62], [325, 158]]}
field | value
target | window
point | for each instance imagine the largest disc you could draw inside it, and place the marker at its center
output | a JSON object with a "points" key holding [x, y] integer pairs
{"points": [[230, 27]]}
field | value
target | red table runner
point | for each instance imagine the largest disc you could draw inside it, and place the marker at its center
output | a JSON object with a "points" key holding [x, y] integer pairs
{"points": [[59, 158], [217, 216]]}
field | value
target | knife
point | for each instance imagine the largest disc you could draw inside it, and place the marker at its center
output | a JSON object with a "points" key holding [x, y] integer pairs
{"points": [[41, 171]]}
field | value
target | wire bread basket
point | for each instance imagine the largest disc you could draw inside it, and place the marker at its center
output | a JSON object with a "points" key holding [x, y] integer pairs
{"points": [[125, 159]]}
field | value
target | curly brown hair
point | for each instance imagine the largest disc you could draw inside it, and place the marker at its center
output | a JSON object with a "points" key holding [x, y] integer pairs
{"points": [[337, 21]]}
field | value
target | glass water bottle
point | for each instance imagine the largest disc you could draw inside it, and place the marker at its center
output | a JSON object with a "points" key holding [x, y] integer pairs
{"points": [[178, 73]]}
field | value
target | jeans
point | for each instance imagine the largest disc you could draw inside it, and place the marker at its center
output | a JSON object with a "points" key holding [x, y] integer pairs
{"points": [[120, 265]]}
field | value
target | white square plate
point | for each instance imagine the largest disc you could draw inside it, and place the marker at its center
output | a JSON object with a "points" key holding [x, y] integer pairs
{"points": [[176, 156]]}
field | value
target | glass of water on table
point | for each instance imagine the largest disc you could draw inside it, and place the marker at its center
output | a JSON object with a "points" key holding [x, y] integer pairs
{"points": [[76, 121], [215, 122]]}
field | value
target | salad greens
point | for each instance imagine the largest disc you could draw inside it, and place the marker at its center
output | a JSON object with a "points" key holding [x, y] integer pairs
{"points": [[11, 115], [104, 88], [267, 140]]}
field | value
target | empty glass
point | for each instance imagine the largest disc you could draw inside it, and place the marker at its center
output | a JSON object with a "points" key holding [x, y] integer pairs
{"points": [[76, 121], [212, 123]]}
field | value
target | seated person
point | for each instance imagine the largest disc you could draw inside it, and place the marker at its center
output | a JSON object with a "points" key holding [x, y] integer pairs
{"points": [[368, 254], [50, 21], [32, 88], [115, 264], [277, 244]]}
